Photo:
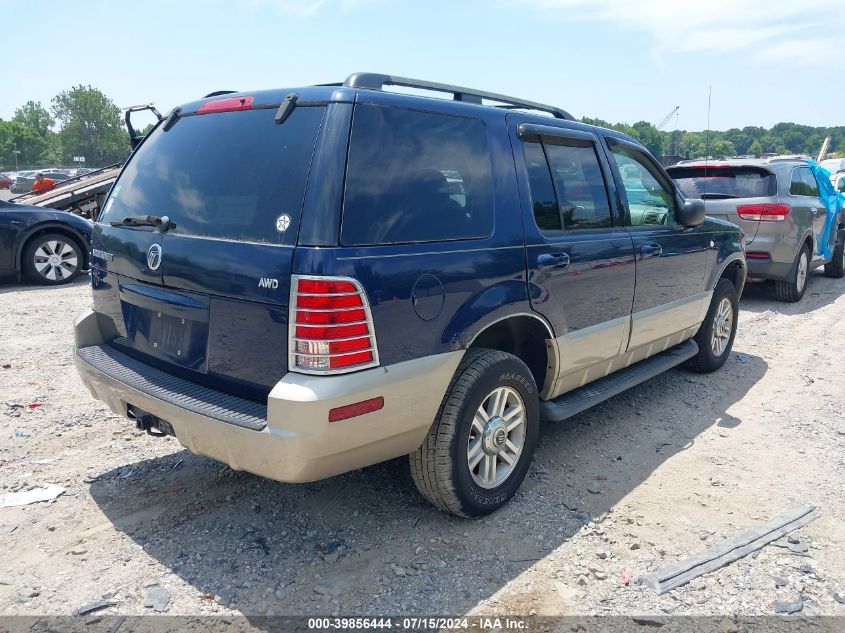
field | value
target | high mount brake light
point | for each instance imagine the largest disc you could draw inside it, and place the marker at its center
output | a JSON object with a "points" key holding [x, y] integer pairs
{"points": [[763, 212], [331, 329], [225, 105]]}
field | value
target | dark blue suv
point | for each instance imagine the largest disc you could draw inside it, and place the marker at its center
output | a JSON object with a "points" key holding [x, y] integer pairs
{"points": [[304, 282]]}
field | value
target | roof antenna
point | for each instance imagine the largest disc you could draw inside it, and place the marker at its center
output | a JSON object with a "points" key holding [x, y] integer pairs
{"points": [[707, 142]]}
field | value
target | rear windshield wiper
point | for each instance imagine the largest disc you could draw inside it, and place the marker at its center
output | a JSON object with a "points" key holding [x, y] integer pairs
{"points": [[717, 196], [162, 223]]}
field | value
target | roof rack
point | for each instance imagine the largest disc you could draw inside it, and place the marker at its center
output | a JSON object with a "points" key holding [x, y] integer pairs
{"points": [[376, 81]]}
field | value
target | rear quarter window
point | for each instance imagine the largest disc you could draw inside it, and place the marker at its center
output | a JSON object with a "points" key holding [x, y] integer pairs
{"points": [[416, 177]]}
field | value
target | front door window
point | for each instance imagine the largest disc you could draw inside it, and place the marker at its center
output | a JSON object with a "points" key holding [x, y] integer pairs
{"points": [[649, 200]]}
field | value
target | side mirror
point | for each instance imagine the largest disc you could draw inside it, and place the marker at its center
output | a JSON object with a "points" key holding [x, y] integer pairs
{"points": [[691, 213]]}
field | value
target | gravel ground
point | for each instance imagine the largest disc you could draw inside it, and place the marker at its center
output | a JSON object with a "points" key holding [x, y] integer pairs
{"points": [[657, 473]]}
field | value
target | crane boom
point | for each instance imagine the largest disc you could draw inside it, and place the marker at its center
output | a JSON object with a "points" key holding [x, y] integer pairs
{"points": [[665, 120]]}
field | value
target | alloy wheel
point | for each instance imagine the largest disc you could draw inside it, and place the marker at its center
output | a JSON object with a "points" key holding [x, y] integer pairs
{"points": [[722, 327], [801, 277], [496, 438]]}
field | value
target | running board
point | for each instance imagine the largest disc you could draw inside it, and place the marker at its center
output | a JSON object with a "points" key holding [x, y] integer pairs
{"points": [[581, 399]]}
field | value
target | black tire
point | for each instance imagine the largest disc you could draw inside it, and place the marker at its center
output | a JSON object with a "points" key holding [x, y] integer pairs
{"points": [[707, 360], [792, 290], [835, 268], [40, 248], [440, 467]]}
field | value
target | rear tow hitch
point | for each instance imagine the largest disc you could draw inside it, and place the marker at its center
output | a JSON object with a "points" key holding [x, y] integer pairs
{"points": [[151, 424]]}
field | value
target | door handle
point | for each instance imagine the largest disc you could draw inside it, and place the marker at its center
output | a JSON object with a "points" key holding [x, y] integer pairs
{"points": [[552, 261], [651, 250]]}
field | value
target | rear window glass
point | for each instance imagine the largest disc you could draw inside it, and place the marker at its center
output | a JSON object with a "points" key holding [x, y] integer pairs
{"points": [[230, 175], [724, 182], [416, 177]]}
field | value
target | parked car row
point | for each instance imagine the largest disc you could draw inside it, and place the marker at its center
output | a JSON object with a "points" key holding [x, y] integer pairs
{"points": [[22, 181]]}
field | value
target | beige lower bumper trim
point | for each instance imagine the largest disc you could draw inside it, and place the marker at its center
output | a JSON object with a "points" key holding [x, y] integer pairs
{"points": [[299, 444]]}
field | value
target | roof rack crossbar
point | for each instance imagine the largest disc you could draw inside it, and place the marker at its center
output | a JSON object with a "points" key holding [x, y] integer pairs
{"points": [[376, 81]]}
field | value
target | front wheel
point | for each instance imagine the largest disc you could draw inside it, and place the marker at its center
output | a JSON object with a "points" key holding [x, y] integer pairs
{"points": [[481, 444], [52, 259], [715, 337]]}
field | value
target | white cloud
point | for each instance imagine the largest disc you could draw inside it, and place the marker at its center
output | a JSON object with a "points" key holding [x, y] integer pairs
{"points": [[768, 30]]}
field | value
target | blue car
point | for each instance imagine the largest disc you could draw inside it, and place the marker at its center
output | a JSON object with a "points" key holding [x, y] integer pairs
{"points": [[304, 282], [50, 247]]}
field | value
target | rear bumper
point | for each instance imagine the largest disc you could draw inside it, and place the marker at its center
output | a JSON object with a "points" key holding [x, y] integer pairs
{"points": [[768, 269], [780, 244], [297, 443]]}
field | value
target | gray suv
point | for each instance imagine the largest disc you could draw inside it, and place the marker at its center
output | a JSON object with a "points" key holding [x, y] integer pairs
{"points": [[776, 203]]}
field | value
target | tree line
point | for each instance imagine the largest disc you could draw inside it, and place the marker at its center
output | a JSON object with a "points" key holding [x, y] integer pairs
{"points": [[83, 121], [783, 138]]}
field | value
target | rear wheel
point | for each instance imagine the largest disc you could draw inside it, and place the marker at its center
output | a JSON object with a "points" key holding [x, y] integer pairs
{"points": [[715, 337], [793, 289], [52, 259], [836, 266], [480, 446]]}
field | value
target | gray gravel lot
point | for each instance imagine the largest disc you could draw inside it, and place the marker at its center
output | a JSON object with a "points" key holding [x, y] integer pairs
{"points": [[652, 475]]}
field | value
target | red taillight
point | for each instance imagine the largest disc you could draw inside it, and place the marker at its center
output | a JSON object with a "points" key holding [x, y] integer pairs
{"points": [[763, 212], [353, 410], [331, 328], [341, 331], [323, 286], [225, 105], [757, 255], [323, 302]]}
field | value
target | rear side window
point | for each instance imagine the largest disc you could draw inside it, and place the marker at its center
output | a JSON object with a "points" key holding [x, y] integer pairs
{"points": [[567, 190], [230, 175], [543, 200], [580, 186], [416, 177], [803, 183], [724, 182]]}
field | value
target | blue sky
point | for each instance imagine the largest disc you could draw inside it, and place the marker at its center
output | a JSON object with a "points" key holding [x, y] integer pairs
{"points": [[619, 60]]}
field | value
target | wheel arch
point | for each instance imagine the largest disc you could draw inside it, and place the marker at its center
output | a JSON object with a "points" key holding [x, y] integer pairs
{"points": [[735, 271], [51, 227], [527, 336]]}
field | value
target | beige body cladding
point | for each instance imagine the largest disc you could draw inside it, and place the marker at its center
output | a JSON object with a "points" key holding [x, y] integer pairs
{"points": [[299, 444]]}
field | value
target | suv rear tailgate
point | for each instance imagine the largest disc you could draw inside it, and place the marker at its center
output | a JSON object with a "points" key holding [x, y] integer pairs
{"points": [[232, 185]]}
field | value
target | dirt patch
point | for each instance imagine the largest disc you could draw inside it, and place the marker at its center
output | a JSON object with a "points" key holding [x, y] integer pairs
{"points": [[659, 472]]}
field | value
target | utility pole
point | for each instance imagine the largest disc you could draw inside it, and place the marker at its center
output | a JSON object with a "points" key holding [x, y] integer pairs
{"points": [[16, 157]]}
